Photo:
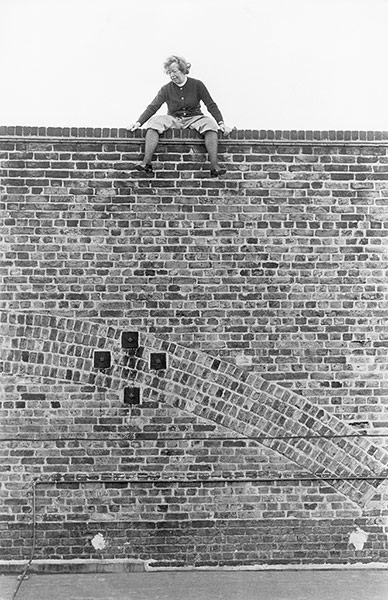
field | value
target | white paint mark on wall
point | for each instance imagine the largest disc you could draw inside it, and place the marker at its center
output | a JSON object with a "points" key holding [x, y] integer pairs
{"points": [[358, 537], [98, 542], [190, 405], [243, 360]]}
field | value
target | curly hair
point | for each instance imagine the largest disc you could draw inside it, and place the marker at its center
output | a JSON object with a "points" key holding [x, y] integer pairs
{"points": [[183, 65]]}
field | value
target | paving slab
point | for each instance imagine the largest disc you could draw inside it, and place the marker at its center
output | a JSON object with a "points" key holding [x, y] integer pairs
{"points": [[204, 585], [8, 584]]}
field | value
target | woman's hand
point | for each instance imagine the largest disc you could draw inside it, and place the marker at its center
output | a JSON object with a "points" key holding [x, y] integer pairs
{"points": [[134, 126], [224, 128]]}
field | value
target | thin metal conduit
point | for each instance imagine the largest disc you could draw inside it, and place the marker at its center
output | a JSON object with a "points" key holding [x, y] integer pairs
{"points": [[272, 479], [36, 482], [26, 568], [259, 438]]}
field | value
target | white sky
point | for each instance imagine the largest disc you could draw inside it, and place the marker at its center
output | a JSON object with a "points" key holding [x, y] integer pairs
{"points": [[269, 64]]}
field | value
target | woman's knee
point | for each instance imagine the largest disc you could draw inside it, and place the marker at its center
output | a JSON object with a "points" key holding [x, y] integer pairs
{"points": [[160, 123]]}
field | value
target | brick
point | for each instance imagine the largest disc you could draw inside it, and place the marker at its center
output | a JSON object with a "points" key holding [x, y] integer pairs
{"points": [[271, 263]]}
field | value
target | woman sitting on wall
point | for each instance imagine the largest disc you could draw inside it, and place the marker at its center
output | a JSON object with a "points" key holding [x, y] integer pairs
{"points": [[183, 96]]}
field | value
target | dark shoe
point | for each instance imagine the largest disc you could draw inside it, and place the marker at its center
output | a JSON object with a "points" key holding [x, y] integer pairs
{"points": [[217, 172], [144, 168]]}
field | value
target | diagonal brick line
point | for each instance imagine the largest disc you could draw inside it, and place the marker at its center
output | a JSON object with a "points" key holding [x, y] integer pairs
{"points": [[62, 349]]}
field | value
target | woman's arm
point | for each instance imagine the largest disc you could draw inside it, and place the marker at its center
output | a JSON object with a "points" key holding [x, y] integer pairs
{"points": [[209, 102], [151, 109]]}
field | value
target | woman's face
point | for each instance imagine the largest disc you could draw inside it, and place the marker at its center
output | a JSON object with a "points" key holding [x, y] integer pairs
{"points": [[175, 74]]}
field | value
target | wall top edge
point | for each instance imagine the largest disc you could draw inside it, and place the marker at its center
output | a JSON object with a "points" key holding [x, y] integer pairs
{"points": [[236, 134]]}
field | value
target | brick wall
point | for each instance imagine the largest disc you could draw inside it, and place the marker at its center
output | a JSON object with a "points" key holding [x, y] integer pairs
{"points": [[262, 440]]}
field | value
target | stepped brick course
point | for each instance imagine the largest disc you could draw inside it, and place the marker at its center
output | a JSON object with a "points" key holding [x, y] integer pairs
{"points": [[263, 440]]}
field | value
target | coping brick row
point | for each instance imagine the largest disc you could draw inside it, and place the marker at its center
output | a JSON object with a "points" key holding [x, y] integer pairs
{"points": [[235, 134]]}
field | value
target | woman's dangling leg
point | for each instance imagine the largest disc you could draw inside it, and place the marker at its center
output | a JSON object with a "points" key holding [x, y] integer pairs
{"points": [[151, 143], [211, 143], [155, 127]]}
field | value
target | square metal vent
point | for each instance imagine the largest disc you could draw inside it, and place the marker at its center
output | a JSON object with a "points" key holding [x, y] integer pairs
{"points": [[158, 360], [102, 359], [131, 395], [130, 339]]}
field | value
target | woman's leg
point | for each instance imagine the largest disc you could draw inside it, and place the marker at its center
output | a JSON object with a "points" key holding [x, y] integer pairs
{"points": [[207, 127], [211, 143], [155, 126], [151, 142]]}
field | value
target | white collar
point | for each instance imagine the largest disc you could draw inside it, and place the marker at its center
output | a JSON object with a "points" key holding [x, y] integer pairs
{"points": [[182, 84]]}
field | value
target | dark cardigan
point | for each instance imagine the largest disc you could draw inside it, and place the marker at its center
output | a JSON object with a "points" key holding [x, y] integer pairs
{"points": [[183, 101]]}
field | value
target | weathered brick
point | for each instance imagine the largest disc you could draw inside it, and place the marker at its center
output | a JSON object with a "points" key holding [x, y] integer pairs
{"points": [[281, 262]]}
